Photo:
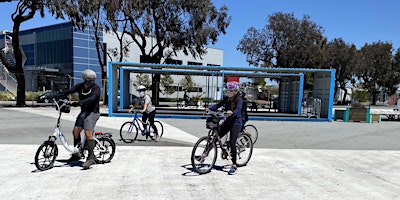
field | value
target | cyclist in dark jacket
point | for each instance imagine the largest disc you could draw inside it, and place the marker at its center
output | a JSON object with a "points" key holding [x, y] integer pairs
{"points": [[89, 98], [233, 106]]}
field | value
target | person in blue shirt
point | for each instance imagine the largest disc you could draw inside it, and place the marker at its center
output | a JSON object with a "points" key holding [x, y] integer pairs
{"points": [[232, 104]]}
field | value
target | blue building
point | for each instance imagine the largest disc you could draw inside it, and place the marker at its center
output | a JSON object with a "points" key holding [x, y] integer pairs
{"points": [[56, 56]]}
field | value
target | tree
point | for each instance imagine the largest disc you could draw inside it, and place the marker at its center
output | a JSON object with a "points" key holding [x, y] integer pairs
{"points": [[395, 76], [142, 79], [374, 68], [284, 42], [100, 15], [256, 45], [187, 83], [25, 11], [172, 25], [166, 83], [341, 57]]}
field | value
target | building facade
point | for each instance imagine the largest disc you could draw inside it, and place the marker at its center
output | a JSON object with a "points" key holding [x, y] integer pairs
{"points": [[57, 54]]}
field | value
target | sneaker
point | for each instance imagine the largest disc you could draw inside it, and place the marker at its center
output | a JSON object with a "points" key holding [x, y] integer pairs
{"points": [[73, 158], [232, 171], [88, 163], [157, 137]]}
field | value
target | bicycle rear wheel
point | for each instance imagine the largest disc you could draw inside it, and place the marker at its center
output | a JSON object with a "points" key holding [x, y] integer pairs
{"points": [[244, 147], [46, 156], [160, 128], [128, 132], [104, 150], [204, 155], [251, 131]]}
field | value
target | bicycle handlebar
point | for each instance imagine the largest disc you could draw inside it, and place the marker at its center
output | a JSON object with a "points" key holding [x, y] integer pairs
{"points": [[135, 112], [219, 112]]}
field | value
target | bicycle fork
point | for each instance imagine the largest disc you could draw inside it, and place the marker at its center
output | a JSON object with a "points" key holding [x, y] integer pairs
{"points": [[206, 151], [241, 145]]}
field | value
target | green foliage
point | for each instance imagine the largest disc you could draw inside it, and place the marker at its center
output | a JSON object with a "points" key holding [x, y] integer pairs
{"points": [[31, 96], [374, 68], [166, 83], [6, 96], [341, 57], [186, 26], [187, 83], [284, 42], [360, 96], [142, 79]]}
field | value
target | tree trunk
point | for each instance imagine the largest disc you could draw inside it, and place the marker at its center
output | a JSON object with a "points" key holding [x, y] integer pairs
{"points": [[20, 75], [155, 81], [155, 89], [20, 90]]}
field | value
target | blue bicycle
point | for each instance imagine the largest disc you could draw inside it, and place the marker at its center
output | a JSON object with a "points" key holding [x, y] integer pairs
{"points": [[130, 130]]}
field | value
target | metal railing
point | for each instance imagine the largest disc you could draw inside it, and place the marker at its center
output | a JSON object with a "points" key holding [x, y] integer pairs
{"points": [[312, 108], [7, 80]]}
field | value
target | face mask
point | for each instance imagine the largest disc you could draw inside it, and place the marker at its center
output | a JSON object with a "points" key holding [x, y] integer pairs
{"points": [[89, 83], [230, 94], [141, 94]]}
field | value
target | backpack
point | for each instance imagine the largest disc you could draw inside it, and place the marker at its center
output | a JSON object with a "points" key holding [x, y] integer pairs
{"points": [[244, 111]]}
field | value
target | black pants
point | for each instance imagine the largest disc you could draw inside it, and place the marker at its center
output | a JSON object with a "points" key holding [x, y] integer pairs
{"points": [[235, 130], [151, 117]]}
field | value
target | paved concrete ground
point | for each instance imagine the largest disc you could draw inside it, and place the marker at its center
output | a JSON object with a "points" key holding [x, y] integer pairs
{"points": [[291, 160]]}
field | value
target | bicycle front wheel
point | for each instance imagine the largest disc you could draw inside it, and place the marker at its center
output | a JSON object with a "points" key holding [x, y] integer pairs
{"points": [[251, 131], [104, 150], [128, 132], [204, 155], [46, 156], [244, 147], [160, 128]]}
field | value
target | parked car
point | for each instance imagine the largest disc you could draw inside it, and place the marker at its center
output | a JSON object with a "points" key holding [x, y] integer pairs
{"points": [[44, 98]]}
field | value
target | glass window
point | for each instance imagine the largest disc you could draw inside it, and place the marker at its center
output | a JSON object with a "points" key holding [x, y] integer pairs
{"points": [[80, 52]]}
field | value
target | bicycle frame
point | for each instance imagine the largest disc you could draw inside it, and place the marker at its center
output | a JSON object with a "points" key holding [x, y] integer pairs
{"points": [[57, 132], [47, 152], [215, 133], [140, 124], [216, 139], [205, 151]]}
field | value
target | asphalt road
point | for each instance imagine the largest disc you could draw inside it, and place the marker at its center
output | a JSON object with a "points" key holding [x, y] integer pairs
{"points": [[291, 160]]}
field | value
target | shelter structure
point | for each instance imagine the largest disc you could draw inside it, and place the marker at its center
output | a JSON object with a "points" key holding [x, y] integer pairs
{"points": [[291, 83]]}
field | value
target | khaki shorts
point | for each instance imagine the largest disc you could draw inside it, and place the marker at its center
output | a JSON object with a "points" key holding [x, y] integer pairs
{"points": [[87, 120]]}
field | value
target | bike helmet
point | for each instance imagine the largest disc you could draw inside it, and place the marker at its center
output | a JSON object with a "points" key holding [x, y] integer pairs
{"points": [[141, 88], [88, 73], [232, 86]]}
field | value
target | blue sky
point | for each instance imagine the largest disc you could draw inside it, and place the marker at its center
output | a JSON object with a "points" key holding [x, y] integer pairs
{"points": [[355, 21]]}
